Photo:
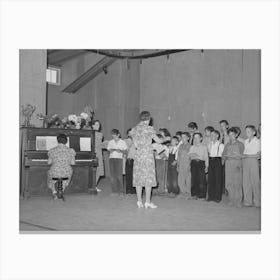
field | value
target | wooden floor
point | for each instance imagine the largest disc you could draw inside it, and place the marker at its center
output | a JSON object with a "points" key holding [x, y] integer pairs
{"points": [[83, 212]]}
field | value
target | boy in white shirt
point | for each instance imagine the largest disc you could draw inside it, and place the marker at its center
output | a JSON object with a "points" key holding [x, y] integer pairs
{"points": [[251, 175], [172, 173], [117, 147], [161, 156], [215, 175]]}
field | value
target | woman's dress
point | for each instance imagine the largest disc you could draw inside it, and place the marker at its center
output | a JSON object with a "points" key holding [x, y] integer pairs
{"points": [[98, 151], [144, 162]]}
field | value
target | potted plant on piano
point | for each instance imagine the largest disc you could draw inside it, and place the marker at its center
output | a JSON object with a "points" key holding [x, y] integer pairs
{"points": [[27, 111], [52, 121]]}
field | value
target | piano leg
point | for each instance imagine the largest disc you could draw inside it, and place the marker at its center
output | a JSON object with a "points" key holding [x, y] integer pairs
{"points": [[92, 180], [25, 192]]}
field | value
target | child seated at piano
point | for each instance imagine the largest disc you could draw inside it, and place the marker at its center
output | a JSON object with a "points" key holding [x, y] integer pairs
{"points": [[61, 158]]}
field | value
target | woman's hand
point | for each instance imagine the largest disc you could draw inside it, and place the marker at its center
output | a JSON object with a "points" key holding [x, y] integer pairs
{"points": [[206, 169], [174, 163]]}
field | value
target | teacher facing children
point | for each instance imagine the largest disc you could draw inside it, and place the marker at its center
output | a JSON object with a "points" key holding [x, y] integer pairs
{"points": [[144, 163]]}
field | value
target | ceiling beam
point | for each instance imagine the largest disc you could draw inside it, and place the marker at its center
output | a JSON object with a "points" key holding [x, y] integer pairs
{"points": [[58, 57], [90, 74], [146, 54]]}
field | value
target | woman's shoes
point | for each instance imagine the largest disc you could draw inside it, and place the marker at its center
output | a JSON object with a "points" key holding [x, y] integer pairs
{"points": [[150, 205], [147, 205], [140, 204]]}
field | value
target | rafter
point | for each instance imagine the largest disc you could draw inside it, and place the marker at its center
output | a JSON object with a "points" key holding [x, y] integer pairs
{"points": [[89, 74], [58, 57]]}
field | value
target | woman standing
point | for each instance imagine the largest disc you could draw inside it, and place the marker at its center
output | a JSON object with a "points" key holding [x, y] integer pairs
{"points": [[96, 126], [144, 162]]}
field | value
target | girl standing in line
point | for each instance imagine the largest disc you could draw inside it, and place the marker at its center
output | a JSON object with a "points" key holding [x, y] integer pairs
{"points": [[96, 126]]}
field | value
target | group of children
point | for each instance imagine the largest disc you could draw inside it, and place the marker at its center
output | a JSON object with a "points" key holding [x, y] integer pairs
{"points": [[189, 164], [197, 166]]}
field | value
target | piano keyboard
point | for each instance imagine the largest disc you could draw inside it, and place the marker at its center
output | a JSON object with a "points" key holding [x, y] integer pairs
{"points": [[77, 160]]}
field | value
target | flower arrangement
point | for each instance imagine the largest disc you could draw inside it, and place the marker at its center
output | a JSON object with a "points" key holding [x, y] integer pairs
{"points": [[72, 121], [89, 111], [50, 121], [27, 111]]}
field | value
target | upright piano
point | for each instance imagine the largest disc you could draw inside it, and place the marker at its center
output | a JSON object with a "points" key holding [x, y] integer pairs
{"points": [[34, 146]]}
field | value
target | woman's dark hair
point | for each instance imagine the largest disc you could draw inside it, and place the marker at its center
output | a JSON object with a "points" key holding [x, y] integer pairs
{"points": [[62, 139], [209, 128], [151, 122], [233, 130], [179, 133], [115, 132], [100, 127], [198, 133], [145, 116], [238, 130], [217, 132], [253, 128], [165, 132], [128, 131], [224, 121], [176, 138], [192, 125]]}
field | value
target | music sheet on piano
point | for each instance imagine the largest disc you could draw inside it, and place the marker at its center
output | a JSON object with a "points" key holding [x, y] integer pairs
{"points": [[45, 143], [85, 144]]}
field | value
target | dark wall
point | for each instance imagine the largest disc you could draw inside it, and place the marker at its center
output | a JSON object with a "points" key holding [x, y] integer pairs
{"points": [[32, 81], [115, 96], [190, 86], [203, 87]]}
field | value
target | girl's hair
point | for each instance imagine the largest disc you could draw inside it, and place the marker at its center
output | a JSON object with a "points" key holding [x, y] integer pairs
{"points": [[145, 116], [115, 132], [238, 130], [217, 132], [209, 128], [192, 125], [233, 130], [165, 132], [94, 122], [62, 139], [252, 127], [179, 133], [198, 133], [187, 134], [128, 131], [224, 121], [176, 138]]}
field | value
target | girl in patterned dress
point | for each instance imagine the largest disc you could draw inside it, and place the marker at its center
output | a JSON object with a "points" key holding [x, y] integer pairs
{"points": [[144, 163]]}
